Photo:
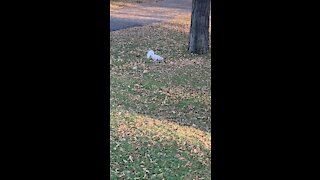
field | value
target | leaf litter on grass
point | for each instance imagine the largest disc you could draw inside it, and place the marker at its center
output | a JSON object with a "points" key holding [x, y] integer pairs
{"points": [[119, 4], [159, 147], [160, 112]]}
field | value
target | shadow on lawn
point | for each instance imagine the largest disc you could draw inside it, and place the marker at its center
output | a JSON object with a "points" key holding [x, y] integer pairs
{"points": [[137, 125], [184, 111], [152, 143]]}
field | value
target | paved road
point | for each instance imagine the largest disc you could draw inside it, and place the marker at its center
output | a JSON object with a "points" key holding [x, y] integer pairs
{"points": [[148, 13]]}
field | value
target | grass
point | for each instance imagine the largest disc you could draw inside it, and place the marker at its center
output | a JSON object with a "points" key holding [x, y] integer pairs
{"points": [[160, 112], [117, 4]]}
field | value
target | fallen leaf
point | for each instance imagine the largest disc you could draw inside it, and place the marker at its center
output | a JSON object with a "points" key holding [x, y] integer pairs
{"points": [[131, 159]]}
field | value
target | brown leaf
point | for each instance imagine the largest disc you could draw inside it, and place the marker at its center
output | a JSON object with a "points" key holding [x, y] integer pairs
{"points": [[188, 164]]}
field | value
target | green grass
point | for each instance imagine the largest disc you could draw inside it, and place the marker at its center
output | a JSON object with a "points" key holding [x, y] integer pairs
{"points": [[141, 147], [160, 112]]}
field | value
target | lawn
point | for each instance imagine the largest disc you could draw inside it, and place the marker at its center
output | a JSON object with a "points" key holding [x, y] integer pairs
{"points": [[160, 112], [117, 4]]}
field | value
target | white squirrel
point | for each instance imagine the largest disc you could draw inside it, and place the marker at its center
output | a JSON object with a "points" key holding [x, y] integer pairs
{"points": [[154, 56]]}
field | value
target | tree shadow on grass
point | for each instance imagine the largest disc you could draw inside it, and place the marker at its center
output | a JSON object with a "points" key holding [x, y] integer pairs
{"points": [[153, 143]]}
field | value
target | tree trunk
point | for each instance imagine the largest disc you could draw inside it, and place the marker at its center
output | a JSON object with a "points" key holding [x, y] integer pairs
{"points": [[199, 28]]}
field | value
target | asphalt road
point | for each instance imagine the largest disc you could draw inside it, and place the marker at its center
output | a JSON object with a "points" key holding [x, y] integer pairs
{"points": [[119, 23], [148, 13]]}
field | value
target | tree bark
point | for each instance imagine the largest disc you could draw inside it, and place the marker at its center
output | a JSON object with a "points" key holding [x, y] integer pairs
{"points": [[199, 28]]}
